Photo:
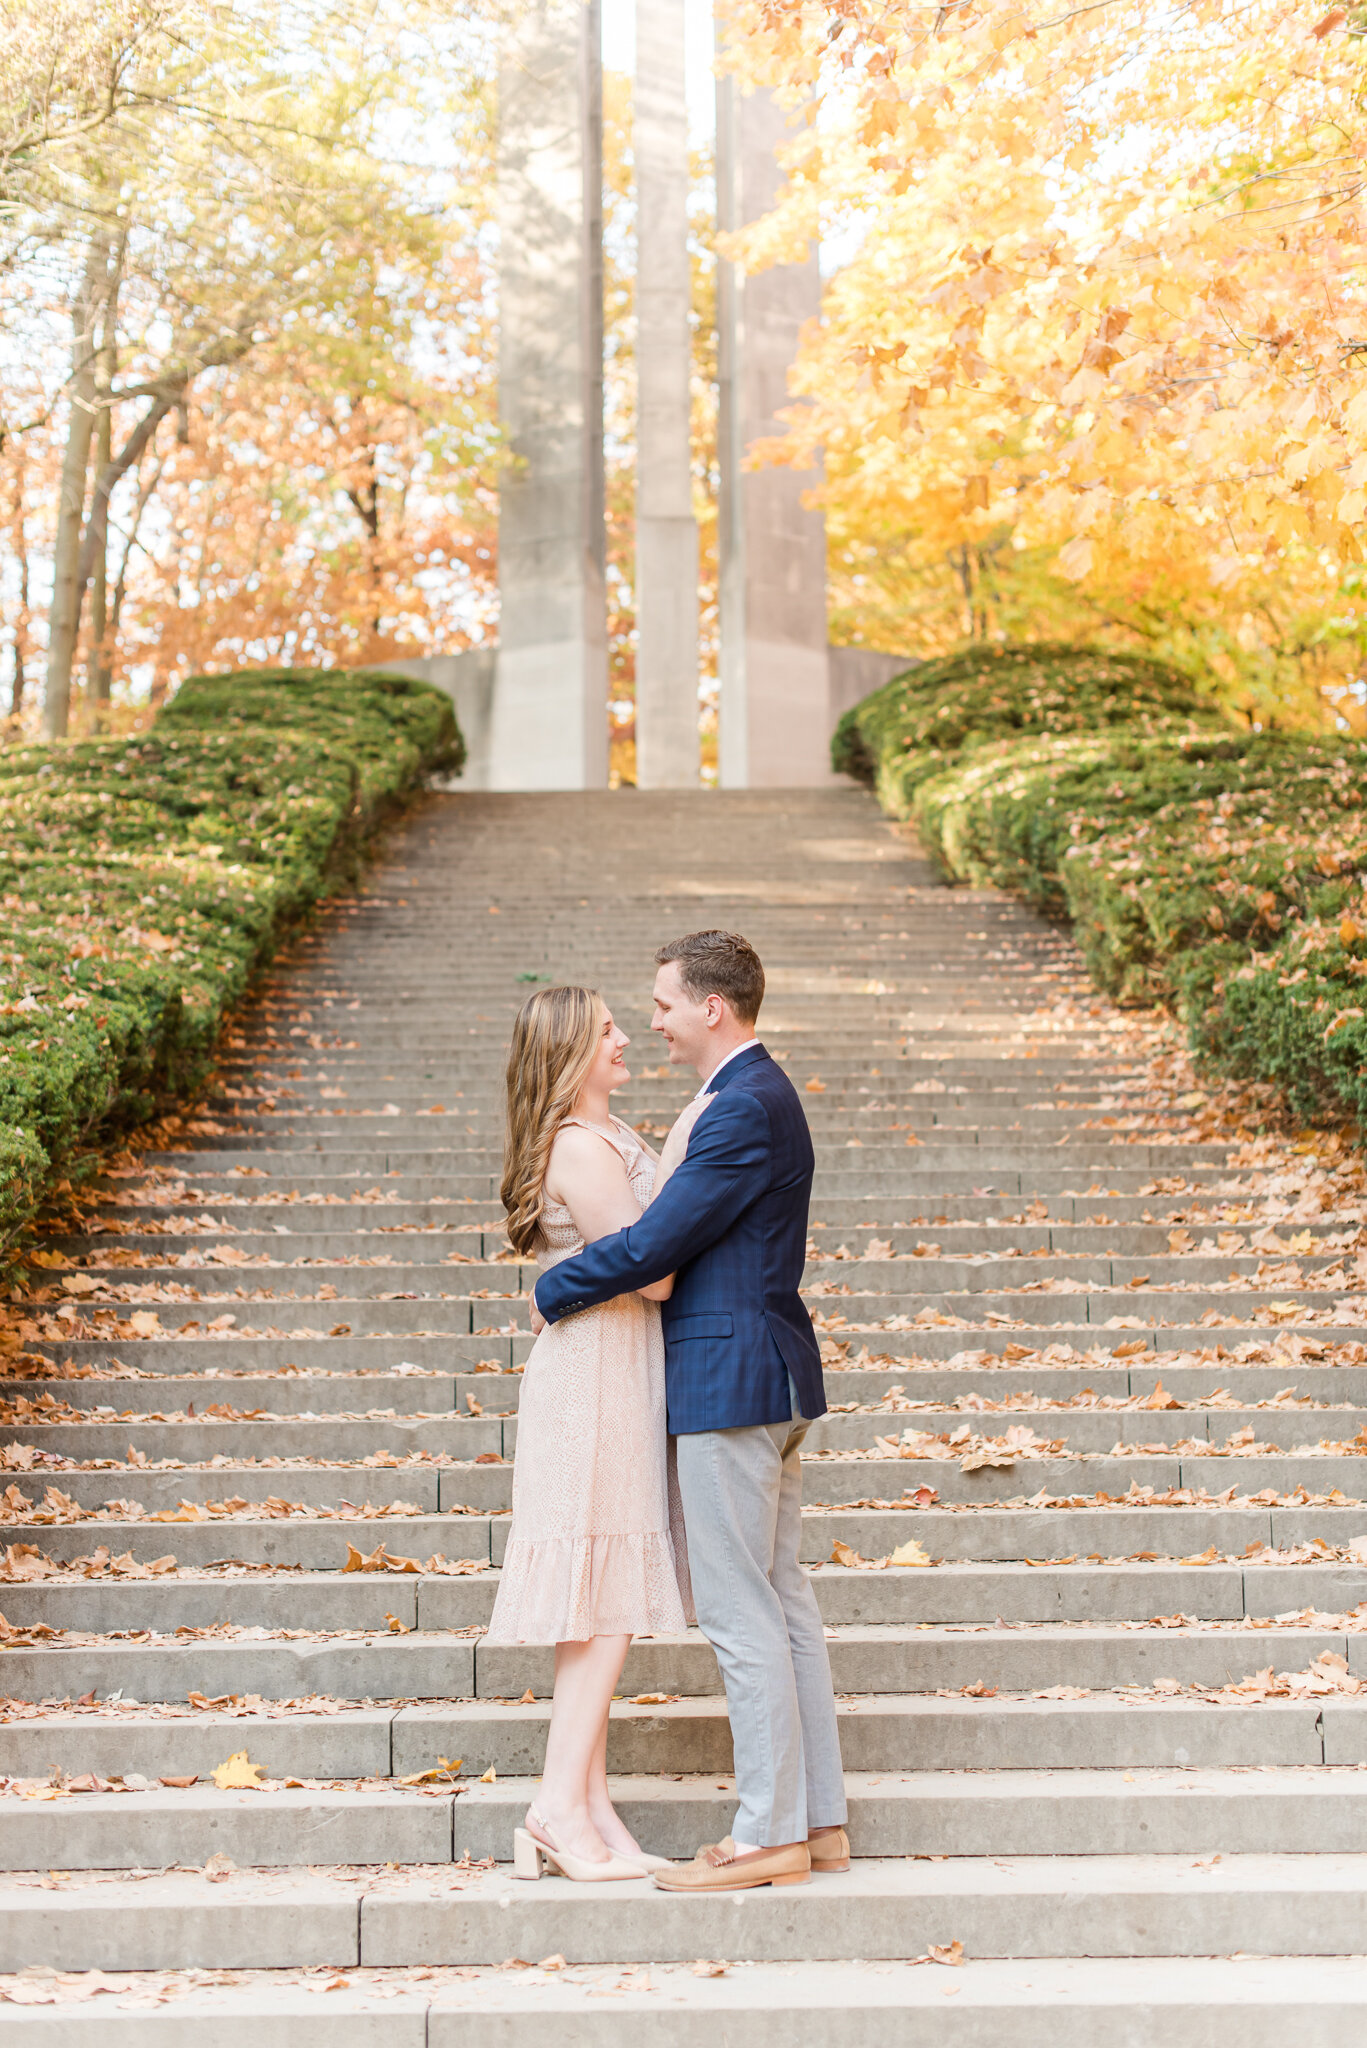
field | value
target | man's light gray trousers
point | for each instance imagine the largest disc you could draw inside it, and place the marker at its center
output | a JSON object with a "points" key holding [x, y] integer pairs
{"points": [[742, 1501]]}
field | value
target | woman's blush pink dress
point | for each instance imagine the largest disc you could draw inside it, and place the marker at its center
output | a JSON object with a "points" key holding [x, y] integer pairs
{"points": [[596, 1546]]}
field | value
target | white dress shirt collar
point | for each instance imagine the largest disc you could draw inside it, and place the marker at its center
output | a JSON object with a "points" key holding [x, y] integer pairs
{"points": [[734, 1053]]}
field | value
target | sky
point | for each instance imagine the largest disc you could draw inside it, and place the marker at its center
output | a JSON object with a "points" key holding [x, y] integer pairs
{"points": [[619, 54]]}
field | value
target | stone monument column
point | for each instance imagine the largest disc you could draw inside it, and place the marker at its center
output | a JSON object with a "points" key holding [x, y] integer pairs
{"points": [[666, 530], [775, 715], [548, 718]]}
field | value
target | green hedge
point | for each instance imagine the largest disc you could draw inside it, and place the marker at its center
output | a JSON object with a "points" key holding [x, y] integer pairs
{"points": [[143, 880], [922, 721], [1206, 867]]}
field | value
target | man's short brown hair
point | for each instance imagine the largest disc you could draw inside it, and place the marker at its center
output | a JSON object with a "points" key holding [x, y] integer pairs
{"points": [[718, 964]]}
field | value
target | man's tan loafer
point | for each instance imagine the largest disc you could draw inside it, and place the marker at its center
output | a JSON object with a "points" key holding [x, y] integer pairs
{"points": [[717, 1868], [829, 1851]]}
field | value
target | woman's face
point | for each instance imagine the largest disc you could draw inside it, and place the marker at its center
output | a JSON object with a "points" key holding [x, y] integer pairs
{"points": [[607, 1071]]}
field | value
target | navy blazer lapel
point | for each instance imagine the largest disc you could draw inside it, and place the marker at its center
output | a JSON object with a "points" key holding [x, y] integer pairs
{"points": [[739, 1065]]}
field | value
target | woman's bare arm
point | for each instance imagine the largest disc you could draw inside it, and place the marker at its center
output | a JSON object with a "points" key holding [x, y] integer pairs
{"points": [[588, 1175]]}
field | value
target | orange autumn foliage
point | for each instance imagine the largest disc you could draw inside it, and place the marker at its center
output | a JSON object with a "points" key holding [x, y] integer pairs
{"points": [[1095, 360]]}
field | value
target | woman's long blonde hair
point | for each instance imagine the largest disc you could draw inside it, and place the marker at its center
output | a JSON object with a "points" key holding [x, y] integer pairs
{"points": [[554, 1043]]}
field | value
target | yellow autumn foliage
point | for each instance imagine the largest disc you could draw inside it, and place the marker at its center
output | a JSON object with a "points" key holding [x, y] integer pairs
{"points": [[1095, 363]]}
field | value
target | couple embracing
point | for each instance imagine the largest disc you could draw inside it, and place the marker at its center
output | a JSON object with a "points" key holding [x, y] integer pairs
{"points": [[674, 1377]]}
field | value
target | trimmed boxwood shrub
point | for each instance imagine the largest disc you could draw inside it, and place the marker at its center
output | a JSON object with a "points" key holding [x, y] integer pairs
{"points": [[1212, 869], [928, 718], [143, 880]]}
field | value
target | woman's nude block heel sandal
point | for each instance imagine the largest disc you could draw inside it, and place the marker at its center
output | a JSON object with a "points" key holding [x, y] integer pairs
{"points": [[531, 1858], [526, 1854]]}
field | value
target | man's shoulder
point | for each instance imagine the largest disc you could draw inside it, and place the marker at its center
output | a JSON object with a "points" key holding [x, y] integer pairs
{"points": [[739, 1103], [765, 1081]]}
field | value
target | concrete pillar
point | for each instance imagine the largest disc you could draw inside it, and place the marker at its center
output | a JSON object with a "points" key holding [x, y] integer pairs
{"points": [[775, 728], [666, 531], [856, 672], [548, 723]]}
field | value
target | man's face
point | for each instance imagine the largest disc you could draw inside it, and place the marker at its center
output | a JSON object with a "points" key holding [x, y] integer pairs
{"points": [[681, 1020]]}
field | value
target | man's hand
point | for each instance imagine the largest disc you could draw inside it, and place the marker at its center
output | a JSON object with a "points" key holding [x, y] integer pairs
{"points": [[537, 1319]]}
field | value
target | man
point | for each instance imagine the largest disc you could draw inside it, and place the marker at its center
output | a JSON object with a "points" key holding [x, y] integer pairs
{"points": [[743, 1379]]}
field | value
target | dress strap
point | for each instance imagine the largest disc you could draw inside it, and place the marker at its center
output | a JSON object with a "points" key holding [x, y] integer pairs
{"points": [[622, 1141]]}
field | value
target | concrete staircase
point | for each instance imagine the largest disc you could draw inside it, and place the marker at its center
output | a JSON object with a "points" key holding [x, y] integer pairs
{"points": [[1104, 1370]]}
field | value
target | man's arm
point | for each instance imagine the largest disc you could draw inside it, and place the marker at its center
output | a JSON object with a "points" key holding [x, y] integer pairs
{"points": [[727, 1167]]}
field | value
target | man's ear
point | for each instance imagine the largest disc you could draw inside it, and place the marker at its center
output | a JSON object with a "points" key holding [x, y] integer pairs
{"points": [[716, 1010]]}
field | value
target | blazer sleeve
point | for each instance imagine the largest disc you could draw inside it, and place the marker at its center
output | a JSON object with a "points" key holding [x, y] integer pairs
{"points": [[727, 1167]]}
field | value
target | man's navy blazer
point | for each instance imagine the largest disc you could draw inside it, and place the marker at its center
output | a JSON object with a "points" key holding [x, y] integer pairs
{"points": [[731, 1223]]}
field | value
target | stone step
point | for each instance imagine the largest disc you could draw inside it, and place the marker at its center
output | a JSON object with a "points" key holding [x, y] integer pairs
{"points": [[986, 1270], [511, 1344], [440, 1314], [302, 1165], [365, 1140], [981, 1532], [1152, 1362], [836, 1480], [1058, 1247], [426, 1245], [354, 1275], [304, 1186], [327, 1111], [840, 1102], [921, 1180], [917, 1814], [1017, 1907], [879, 1735], [468, 1080], [864, 1662], [832, 1478], [236, 1356], [310, 1485], [1214, 1202], [309, 1540], [352, 1385], [983, 1189], [1167, 2002], [958, 1592], [462, 1437], [465, 1437], [886, 1171], [1095, 1306], [1179, 1317], [418, 1391], [939, 1343]]}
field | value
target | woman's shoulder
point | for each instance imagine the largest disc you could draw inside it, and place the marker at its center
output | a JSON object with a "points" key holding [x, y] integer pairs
{"points": [[582, 1158], [584, 1147]]}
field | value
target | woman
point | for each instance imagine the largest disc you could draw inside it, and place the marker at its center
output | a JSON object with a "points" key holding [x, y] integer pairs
{"points": [[596, 1553]]}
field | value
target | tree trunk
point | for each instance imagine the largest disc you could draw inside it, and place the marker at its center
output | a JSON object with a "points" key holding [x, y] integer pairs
{"points": [[92, 547], [366, 500], [64, 620], [98, 669], [19, 545]]}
